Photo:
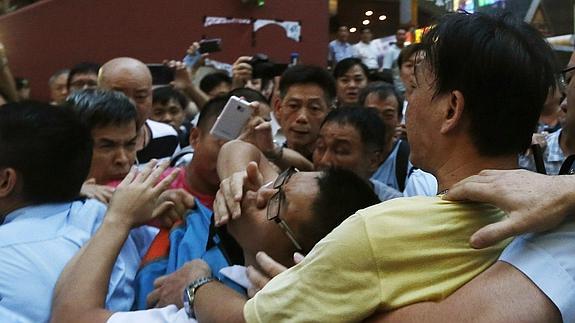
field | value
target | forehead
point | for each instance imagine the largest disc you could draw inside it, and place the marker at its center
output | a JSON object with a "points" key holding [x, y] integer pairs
{"points": [[115, 132], [305, 92], [170, 103], [128, 78], [300, 191], [340, 132], [355, 70], [374, 100]]}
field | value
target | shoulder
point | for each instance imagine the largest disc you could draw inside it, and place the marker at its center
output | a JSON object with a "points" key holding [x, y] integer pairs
{"points": [[159, 129]]}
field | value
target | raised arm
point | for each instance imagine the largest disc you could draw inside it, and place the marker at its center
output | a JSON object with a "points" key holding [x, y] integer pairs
{"points": [[81, 289]]}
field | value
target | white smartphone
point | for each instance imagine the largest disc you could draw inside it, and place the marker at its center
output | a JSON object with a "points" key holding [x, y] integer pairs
{"points": [[232, 120]]}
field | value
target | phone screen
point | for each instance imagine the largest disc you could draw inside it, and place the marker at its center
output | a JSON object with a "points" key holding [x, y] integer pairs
{"points": [[161, 74], [210, 45]]}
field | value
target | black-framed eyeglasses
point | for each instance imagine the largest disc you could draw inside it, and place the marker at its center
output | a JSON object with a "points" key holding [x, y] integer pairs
{"points": [[563, 79], [275, 205]]}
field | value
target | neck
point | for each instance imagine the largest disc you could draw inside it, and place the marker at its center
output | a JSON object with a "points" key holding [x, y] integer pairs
{"points": [[549, 118], [567, 142], [463, 164], [196, 181], [8, 206]]}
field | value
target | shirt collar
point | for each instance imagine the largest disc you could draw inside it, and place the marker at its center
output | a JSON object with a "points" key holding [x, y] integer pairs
{"points": [[36, 211]]}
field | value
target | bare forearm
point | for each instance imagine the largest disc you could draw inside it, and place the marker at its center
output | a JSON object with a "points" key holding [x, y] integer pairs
{"points": [[500, 294], [235, 156], [197, 95], [208, 305], [81, 290], [291, 158]]}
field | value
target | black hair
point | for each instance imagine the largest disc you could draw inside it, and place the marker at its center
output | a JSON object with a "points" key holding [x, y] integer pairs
{"points": [[164, 94], [101, 108], [382, 90], [21, 83], [83, 68], [346, 64], [54, 76], [212, 80], [49, 148], [308, 74], [341, 194], [249, 95], [211, 111], [363, 29], [504, 69], [366, 121], [407, 51]]}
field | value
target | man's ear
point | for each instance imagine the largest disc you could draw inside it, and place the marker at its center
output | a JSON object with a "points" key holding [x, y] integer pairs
{"points": [[453, 116], [194, 136], [277, 108], [8, 180]]}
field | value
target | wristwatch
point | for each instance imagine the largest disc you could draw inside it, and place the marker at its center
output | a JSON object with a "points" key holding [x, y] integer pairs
{"points": [[190, 291]]}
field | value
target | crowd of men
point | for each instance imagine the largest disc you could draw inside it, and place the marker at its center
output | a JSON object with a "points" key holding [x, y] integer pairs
{"points": [[345, 198]]}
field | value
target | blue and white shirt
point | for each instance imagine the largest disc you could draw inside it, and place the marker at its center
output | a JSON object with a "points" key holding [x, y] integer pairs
{"points": [[36, 242]]}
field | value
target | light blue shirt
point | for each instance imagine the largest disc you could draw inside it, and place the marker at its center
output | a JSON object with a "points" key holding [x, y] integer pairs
{"points": [[386, 172], [339, 51], [36, 242], [548, 259]]}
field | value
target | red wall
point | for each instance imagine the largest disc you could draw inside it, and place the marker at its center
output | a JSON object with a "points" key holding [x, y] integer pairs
{"points": [[55, 34]]}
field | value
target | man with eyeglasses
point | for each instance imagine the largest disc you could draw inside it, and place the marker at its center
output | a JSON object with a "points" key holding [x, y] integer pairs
{"points": [[561, 143], [291, 221]]}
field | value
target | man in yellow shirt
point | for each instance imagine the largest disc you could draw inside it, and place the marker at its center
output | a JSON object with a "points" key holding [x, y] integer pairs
{"points": [[473, 107]]}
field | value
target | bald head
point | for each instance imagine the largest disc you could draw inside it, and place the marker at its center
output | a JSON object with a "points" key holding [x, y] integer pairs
{"points": [[133, 78]]}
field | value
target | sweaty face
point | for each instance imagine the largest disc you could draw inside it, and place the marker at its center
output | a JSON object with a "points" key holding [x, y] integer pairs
{"points": [[114, 152], [300, 115], [423, 117], [350, 84], [171, 113], [135, 83], [254, 232], [83, 81], [59, 89], [387, 108], [340, 145]]}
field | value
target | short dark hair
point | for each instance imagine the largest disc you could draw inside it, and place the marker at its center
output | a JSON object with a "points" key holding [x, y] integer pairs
{"points": [[382, 90], [407, 51], [49, 148], [54, 76], [346, 64], [503, 67], [211, 111], [308, 74], [334, 203], [164, 94], [366, 121], [83, 68], [100, 108], [249, 95], [212, 80]]}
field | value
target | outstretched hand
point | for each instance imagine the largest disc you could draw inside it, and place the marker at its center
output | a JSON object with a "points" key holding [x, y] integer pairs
{"points": [[533, 202], [133, 201]]}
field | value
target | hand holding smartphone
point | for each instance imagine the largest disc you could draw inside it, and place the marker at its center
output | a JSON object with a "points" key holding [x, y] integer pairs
{"points": [[232, 120]]}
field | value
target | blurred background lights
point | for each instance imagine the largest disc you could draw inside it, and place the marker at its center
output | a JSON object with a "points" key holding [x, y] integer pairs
{"points": [[365, 22], [369, 13], [352, 29], [382, 17]]}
